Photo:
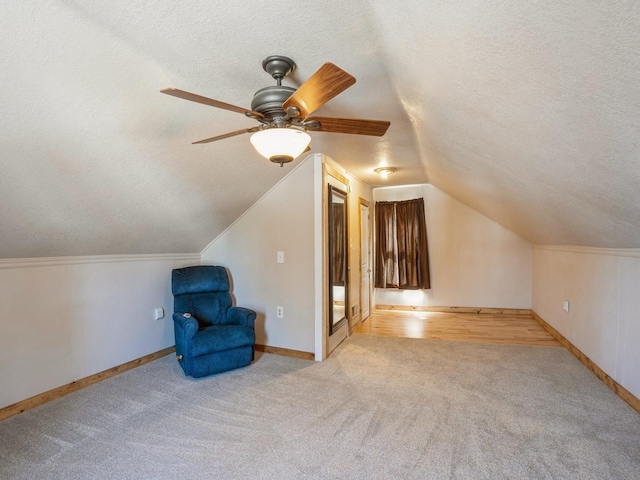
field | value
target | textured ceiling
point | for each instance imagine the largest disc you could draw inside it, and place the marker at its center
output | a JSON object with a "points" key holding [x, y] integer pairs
{"points": [[528, 112]]}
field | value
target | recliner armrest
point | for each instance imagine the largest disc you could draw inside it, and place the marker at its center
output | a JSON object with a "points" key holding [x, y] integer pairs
{"points": [[241, 316], [188, 324]]}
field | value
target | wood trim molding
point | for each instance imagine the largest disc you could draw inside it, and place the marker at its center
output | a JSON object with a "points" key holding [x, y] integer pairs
{"points": [[331, 171], [616, 252], [477, 310], [285, 352], [325, 260], [42, 398], [618, 389], [60, 261]]}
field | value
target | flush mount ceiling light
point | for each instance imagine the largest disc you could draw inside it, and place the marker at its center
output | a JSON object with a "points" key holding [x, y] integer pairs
{"points": [[280, 145], [384, 172]]}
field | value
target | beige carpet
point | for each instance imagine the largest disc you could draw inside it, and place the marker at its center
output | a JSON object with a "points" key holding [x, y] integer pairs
{"points": [[379, 408]]}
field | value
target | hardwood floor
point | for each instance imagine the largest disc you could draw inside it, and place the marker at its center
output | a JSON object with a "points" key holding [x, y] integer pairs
{"points": [[463, 327]]}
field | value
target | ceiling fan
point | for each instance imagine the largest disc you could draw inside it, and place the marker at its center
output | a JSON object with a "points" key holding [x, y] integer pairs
{"points": [[283, 112]]}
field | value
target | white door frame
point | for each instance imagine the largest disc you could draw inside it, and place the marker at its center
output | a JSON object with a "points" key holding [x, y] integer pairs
{"points": [[364, 203]]}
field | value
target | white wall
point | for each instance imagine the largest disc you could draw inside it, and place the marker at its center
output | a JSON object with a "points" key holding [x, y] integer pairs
{"points": [[63, 319], [474, 262], [282, 220], [603, 287]]}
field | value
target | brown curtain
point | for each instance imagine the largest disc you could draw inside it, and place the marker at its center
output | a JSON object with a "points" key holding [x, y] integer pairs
{"points": [[386, 245], [339, 233], [402, 258]]}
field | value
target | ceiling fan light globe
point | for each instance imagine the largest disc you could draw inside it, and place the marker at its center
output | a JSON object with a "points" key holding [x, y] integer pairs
{"points": [[280, 143]]}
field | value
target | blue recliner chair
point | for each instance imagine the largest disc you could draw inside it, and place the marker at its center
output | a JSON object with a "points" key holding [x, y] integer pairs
{"points": [[212, 336]]}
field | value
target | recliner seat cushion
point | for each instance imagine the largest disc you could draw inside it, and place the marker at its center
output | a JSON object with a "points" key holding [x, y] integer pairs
{"points": [[219, 338]]}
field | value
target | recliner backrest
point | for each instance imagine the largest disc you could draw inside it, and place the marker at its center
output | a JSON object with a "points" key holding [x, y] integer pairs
{"points": [[202, 291]]}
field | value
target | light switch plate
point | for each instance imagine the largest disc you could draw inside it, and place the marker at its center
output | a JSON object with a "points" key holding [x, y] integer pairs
{"points": [[280, 257]]}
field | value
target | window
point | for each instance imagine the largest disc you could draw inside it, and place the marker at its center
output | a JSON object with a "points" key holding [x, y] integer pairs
{"points": [[402, 258]]}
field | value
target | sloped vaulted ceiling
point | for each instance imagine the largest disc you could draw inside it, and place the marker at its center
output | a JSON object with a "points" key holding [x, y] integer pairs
{"points": [[526, 111]]}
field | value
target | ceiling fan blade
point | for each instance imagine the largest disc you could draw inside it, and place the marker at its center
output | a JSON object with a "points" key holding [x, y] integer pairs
{"points": [[208, 101], [227, 135], [355, 126], [322, 86]]}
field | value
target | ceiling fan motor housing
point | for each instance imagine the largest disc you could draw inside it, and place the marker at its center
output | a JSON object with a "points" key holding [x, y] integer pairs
{"points": [[268, 101]]}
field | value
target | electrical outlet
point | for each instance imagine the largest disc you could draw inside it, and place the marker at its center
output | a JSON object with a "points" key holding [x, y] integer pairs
{"points": [[158, 313], [279, 312], [565, 305]]}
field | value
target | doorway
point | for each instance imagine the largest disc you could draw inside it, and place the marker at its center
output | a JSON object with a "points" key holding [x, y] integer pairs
{"points": [[365, 260]]}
